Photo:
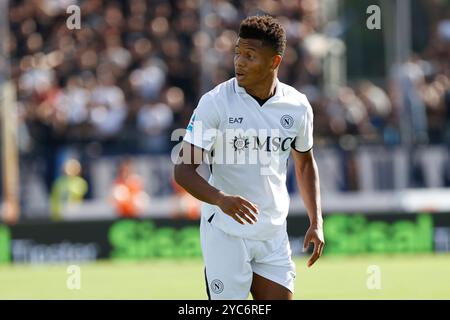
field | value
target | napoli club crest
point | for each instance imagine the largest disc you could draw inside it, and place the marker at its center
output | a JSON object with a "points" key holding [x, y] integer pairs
{"points": [[217, 286], [287, 121]]}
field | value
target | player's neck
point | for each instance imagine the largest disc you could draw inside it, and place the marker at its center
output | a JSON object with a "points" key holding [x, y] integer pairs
{"points": [[263, 90]]}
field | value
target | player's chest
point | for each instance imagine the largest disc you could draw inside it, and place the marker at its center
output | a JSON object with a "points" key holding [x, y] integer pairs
{"points": [[270, 128], [247, 114]]}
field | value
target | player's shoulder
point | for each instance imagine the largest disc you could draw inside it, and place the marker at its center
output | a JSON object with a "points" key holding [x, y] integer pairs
{"points": [[294, 96], [220, 91], [215, 100]]}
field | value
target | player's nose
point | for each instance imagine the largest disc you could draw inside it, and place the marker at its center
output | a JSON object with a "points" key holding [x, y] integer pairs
{"points": [[238, 63]]}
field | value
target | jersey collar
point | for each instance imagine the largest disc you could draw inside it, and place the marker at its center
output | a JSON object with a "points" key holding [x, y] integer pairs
{"points": [[241, 90]]}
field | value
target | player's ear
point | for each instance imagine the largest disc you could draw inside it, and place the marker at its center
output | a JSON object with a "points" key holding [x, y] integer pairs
{"points": [[276, 61]]}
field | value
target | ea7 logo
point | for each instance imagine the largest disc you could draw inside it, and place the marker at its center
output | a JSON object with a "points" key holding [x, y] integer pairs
{"points": [[235, 120]]}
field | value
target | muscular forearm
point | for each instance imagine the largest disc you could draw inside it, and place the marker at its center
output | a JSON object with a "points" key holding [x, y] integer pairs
{"points": [[308, 181], [187, 177], [237, 207]]}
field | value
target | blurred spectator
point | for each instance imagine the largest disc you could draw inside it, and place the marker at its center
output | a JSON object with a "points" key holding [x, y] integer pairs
{"points": [[150, 79], [128, 194], [108, 107], [139, 50], [136, 69], [154, 120], [379, 109], [75, 101], [67, 189]]}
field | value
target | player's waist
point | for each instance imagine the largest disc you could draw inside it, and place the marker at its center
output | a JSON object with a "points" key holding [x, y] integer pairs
{"points": [[264, 229], [268, 226]]}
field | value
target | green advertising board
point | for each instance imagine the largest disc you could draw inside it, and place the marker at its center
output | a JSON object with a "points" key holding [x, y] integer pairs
{"points": [[133, 239], [352, 234], [139, 239], [5, 244]]}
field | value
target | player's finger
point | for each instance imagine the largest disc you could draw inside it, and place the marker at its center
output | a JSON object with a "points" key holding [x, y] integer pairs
{"points": [[306, 242], [248, 213], [313, 259], [316, 246], [235, 217], [315, 254], [250, 205], [244, 216], [322, 245], [238, 218]]}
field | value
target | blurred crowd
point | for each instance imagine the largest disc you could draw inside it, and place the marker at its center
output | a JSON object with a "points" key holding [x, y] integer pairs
{"points": [[135, 70]]}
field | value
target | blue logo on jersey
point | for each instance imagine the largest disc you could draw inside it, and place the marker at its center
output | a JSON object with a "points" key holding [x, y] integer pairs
{"points": [[191, 124]]}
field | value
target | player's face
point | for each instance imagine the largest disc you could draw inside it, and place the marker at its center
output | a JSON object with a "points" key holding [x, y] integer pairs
{"points": [[253, 62]]}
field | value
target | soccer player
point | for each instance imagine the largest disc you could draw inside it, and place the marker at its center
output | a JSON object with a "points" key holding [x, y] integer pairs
{"points": [[246, 128]]}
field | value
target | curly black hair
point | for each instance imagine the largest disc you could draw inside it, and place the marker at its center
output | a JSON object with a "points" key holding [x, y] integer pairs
{"points": [[265, 28]]}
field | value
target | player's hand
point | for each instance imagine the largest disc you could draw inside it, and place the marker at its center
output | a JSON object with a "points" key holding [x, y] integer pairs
{"points": [[238, 208], [314, 235]]}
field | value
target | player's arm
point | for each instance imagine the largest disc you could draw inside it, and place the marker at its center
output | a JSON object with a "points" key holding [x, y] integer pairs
{"points": [[308, 183], [186, 175]]}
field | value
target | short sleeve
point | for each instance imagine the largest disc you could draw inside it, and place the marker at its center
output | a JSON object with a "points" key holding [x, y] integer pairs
{"points": [[203, 125], [304, 138]]}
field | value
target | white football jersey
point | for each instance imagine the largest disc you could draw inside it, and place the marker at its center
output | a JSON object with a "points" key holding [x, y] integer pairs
{"points": [[248, 148]]}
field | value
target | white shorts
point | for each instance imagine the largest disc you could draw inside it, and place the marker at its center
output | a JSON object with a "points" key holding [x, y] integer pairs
{"points": [[231, 261]]}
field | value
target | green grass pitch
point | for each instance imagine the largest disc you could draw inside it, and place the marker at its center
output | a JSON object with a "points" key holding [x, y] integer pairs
{"points": [[401, 277]]}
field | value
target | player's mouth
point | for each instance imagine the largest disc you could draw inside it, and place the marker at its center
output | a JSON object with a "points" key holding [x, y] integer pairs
{"points": [[240, 76]]}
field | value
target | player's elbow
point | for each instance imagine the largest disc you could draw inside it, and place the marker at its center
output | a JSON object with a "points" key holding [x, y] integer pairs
{"points": [[180, 173], [305, 165], [177, 173]]}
